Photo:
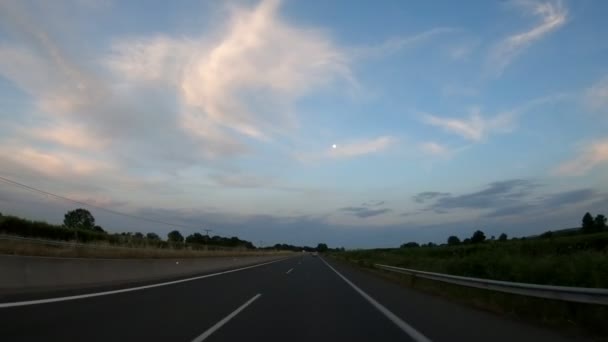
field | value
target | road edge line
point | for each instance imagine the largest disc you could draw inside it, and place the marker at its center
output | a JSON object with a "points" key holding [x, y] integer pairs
{"points": [[408, 329]]}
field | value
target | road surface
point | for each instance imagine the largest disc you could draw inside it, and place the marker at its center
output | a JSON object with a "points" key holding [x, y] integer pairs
{"points": [[302, 298]]}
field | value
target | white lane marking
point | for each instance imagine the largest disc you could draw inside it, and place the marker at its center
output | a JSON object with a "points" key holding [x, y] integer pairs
{"points": [[225, 320], [291, 269], [408, 329], [105, 293]]}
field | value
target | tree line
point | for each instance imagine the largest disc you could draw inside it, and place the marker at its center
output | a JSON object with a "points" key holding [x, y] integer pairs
{"points": [[589, 225], [79, 225]]}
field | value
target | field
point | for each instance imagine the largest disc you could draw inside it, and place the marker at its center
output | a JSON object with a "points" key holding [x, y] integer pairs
{"points": [[580, 260], [576, 260]]}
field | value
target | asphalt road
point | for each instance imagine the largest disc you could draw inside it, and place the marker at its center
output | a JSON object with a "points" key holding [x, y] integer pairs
{"points": [[299, 299]]}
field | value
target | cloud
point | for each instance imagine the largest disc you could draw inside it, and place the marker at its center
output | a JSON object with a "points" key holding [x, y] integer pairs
{"points": [[365, 212], [552, 15], [546, 203], [396, 44], [596, 96], [206, 96], [496, 194], [429, 195], [434, 148], [50, 164], [589, 156], [246, 81], [239, 180], [475, 127], [361, 147]]}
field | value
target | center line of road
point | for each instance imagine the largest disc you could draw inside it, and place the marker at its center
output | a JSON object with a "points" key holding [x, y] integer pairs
{"points": [[105, 293], [225, 320], [408, 329], [291, 269]]}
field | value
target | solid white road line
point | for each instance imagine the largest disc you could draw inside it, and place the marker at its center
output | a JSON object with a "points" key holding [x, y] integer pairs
{"points": [[408, 329], [105, 293], [219, 324], [291, 269]]}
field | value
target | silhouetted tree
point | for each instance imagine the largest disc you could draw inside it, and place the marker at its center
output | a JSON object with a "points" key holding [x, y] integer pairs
{"points": [[196, 238], [588, 223], [175, 236], [502, 237], [79, 219], [478, 237], [321, 247], [410, 244], [453, 240], [547, 235], [153, 237], [600, 223], [466, 241], [98, 229], [138, 235]]}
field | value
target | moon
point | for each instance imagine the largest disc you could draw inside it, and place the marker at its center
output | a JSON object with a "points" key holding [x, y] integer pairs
{"points": [[334, 146]]}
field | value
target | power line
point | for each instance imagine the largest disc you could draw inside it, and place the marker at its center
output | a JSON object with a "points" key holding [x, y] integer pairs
{"points": [[29, 188]]}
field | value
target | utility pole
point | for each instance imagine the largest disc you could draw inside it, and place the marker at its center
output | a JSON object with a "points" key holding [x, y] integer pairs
{"points": [[208, 230]]}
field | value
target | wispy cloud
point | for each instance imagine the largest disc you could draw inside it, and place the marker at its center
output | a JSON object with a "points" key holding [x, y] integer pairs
{"points": [[552, 14], [596, 96], [476, 127], [361, 147], [435, 149], [365, 212], [397, 44], [590, 156], [213, 77], [429, 195]]}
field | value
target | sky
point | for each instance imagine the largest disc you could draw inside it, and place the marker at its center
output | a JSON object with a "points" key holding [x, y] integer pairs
{"points": [[357, 124]]}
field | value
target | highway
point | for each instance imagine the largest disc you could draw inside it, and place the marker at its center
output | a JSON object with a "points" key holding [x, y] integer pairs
{"points": [[302, 298]]}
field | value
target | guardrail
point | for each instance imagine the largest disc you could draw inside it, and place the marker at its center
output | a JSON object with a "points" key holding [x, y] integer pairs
{"points": [[565, 293]]}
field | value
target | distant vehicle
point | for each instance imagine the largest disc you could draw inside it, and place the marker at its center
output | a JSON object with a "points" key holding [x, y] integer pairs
{"points": [[314, 254]]}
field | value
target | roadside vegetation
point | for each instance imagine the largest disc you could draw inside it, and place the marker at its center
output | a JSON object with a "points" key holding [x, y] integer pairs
{"points": [[571, 257], [79, 236]]}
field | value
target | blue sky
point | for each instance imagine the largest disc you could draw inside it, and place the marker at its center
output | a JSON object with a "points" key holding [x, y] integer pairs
{"points": [[358, 124]]}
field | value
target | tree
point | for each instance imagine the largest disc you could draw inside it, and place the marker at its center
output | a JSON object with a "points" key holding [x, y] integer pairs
{"points": [[196, 238], [175, 236], [466, 241], [79, 219], [321, 247], [410, 244], [478, 237], [453, 240], [98, 229], [138, 235], [546, 235], [588, 223], [600, 223], [153, 237], [502, 237]]}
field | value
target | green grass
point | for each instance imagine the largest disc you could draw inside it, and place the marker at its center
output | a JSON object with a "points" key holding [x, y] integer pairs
{"points": [[580, 260]]}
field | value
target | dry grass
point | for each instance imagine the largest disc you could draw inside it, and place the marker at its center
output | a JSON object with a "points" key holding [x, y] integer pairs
{"points": [[112, 252]]}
